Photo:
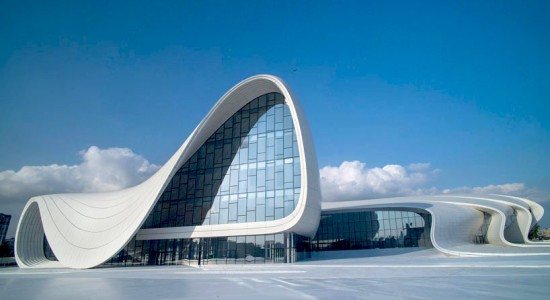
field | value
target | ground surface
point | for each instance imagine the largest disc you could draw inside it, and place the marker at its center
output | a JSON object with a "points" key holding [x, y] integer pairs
{"points": [[391, 274]]}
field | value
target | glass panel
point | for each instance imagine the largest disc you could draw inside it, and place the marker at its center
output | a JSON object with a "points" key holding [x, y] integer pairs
{"points": [[253, 151], [372, 229]]}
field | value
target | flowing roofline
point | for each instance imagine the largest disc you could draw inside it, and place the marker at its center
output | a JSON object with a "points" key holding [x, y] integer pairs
{"points": [[85, 230]]}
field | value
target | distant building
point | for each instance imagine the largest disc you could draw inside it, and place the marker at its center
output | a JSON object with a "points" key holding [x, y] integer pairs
{"points": [[7, 248], [4, 224]]}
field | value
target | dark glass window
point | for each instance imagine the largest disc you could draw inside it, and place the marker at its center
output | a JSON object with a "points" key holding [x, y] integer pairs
{"points": [[372, 229], [254, 249]]}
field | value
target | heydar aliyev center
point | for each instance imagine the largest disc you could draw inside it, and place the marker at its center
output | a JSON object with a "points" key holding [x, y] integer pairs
{"points": [[245, 188]]}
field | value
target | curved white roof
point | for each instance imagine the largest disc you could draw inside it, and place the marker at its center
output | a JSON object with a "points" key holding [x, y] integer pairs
{"points": [[85, 230]]}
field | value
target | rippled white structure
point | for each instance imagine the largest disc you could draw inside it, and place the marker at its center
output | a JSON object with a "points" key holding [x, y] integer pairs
{"points": [[456, 219], [85, 230]]}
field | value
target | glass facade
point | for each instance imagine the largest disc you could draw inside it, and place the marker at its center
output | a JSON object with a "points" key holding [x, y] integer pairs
{"points": [[247, 171], [372, 229], [4, 224], [255, 249], [337, 231]]}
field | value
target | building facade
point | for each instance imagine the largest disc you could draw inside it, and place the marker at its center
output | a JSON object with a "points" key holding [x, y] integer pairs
{"points": [[245, 188], [4, 224]]}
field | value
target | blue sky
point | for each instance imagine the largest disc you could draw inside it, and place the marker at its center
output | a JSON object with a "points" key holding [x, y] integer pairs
{"points": [[463, 86]]}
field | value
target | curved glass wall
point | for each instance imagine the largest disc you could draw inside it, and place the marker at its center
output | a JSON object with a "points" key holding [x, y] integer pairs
{"points": [[247, 171], [337, 231], [372, 229]]}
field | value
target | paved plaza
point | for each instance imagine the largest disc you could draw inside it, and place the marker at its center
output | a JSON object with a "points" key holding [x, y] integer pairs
{"points": [[375, 274]]}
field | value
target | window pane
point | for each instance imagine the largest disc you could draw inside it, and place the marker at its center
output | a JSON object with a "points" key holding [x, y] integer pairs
{"points": [[252, 152]]}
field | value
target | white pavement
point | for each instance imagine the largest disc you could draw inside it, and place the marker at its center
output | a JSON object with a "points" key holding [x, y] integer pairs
{"points": [[374, 274]]}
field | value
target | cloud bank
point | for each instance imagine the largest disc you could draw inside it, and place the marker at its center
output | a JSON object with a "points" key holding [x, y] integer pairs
{"points": [[101, 170], [353, 180], [516, 189]]}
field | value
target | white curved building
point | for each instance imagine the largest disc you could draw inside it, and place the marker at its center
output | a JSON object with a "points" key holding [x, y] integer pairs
{"points": [[244, 187]]}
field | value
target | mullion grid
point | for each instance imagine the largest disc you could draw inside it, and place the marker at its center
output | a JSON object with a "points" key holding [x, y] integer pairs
{"points": [[372, 229], [191, 193]]}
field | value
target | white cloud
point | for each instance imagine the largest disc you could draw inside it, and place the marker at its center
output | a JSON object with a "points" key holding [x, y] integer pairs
{"points": [[419, 167], [100, 170], [516, 189], [353, 180]]}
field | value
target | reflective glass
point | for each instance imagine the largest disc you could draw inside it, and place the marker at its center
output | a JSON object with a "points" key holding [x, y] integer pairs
{"points": [[372, 229], [253, 249], [254, 151]]}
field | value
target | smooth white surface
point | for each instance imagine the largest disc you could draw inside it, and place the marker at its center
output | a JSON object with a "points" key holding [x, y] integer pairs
{"points": [[370, 274], [84, 230]]}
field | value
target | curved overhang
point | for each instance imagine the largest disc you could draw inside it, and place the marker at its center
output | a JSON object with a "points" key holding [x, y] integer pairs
{"points": [[457, 218], [85, 230]]}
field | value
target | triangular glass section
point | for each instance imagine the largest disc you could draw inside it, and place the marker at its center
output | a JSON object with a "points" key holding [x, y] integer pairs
{"points": [[247, 171]]}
